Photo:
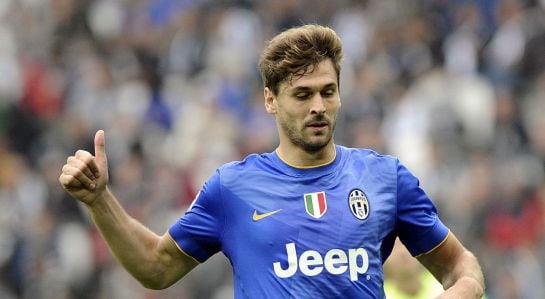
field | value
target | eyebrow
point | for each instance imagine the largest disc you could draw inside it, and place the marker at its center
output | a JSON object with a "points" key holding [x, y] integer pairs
{"points": [[307, 88]]}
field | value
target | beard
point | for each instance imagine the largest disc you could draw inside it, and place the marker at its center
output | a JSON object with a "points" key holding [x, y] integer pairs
{"points": [[304, 140]]}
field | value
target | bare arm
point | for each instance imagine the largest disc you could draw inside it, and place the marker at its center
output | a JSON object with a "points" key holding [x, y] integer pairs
{"points": [[456, 268], [155, 261]]}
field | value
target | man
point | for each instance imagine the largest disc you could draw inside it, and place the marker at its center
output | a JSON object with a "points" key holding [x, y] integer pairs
{"points": [[310, 220]]}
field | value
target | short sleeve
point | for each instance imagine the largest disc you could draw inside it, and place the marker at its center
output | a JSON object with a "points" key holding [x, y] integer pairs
{"points": [[198, 232], [418, 223]]}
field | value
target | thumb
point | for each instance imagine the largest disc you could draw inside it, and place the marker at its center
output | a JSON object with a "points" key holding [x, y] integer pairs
{"points": [[100, 151]]}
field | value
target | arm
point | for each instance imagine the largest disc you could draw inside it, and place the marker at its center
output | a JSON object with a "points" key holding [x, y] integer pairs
{"points": [[456, 268], [155, 261]]}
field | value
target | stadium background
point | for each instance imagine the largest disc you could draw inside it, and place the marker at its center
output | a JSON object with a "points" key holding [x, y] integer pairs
{"points": [[456, 89]]}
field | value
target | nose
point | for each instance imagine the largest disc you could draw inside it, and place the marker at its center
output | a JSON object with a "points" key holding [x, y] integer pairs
{"points": [[317, 105]]}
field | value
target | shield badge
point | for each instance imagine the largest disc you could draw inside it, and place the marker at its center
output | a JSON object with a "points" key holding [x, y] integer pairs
{"points": [[315, 204], [359, 204]]}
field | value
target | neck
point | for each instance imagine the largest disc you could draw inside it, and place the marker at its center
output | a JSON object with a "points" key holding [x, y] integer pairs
{"points": [[299, 158]]}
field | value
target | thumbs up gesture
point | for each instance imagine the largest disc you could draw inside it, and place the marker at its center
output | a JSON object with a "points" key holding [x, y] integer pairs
{"points": [[85, 176]]}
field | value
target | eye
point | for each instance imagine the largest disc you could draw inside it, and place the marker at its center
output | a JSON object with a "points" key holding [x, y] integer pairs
{"points": [[328, 92], [302, 95]]}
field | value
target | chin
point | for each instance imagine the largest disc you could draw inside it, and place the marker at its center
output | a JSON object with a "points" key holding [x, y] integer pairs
{"points": [[315, 146]]}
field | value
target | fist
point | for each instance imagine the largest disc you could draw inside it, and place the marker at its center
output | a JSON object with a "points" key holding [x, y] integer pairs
{"points": [[85, 176]]}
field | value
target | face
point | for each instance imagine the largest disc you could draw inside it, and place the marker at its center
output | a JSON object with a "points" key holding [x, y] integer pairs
{"points": [[306, 108]]}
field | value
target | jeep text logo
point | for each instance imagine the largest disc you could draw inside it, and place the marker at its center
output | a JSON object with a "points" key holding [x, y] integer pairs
{"points": [[335, 261]]}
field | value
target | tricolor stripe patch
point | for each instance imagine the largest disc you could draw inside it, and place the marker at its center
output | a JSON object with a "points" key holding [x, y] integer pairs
{"points": [[315, 204]]}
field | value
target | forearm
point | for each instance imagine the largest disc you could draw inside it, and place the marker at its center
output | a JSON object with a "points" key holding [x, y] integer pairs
{"points": [[456, 268], [466, 280], [130, 242]]}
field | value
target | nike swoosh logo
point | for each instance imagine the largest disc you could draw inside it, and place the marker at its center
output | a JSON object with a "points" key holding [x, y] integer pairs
{"points": [[257, 217]]}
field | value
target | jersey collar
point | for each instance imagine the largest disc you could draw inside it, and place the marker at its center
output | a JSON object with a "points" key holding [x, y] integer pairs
{"points": [[308, 171]]}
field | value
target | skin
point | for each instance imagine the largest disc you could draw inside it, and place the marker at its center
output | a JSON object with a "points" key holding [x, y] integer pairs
{"points": [[456, 268], [305, 110]]}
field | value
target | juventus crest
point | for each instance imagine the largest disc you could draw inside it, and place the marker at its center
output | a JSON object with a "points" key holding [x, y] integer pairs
{"points": [[358, 203]]}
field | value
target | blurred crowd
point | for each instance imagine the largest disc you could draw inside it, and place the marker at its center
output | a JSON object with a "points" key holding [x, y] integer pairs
{"points": [[454, 88]]}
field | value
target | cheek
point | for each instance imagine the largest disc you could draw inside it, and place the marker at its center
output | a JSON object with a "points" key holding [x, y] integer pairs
{"points": [[334, 108], [336, 103], [288, 118], [293, 113]]}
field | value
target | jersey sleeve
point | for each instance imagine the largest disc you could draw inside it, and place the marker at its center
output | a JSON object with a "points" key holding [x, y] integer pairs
{"points": [[198, 232], [418, 223]]}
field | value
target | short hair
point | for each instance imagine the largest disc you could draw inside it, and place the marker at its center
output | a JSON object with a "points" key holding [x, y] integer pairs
{"points": [[296, 52]]}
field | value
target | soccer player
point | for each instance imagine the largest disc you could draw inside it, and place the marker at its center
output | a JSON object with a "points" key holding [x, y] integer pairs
{"points": [[310, 220]]}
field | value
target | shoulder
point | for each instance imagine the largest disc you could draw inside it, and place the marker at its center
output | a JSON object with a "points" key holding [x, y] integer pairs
{"points": [[235, 173], [244, 169], [253, 161], [370, 157], [254, 170]]}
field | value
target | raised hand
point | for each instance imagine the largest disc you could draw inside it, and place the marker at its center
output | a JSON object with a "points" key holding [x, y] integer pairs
{"points": [[85, 176]]}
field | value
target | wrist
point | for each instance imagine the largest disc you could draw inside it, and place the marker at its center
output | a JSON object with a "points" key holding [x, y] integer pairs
{"points": [[100, 199]]}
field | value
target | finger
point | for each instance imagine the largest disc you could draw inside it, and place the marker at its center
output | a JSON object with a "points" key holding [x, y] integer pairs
{"points": [[73, 161], [81, 154], [100, 148], [89, 160], [68, 181], [78, 175]]}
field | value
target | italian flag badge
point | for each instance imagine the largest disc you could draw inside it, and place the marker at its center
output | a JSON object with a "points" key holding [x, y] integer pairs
{"points": [[315, 204]]}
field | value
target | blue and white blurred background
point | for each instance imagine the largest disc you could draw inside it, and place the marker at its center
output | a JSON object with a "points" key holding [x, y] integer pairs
{"points": [[456, 89]]}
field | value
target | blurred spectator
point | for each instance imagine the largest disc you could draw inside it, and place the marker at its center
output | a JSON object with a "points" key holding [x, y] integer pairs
{"points": [[406, 278]]}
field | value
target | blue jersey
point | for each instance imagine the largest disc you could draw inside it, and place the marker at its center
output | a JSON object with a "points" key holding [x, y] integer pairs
{"points": [[321, 232]]}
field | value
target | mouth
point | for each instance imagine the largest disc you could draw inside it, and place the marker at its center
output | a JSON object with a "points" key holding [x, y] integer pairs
{"points": [[318, 125]]}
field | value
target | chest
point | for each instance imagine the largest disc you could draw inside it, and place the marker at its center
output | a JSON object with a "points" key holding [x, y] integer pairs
{"points": [[334, 211]]}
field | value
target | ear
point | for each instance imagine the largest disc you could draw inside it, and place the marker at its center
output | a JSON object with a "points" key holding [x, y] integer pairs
{"points": [[271, 105]]}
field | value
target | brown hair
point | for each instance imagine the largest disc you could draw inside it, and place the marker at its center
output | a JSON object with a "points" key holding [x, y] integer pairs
{"points": [[296, 51]]}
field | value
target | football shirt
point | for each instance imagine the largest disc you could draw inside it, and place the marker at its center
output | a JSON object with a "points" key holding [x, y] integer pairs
{"points": [[321, 232]]}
